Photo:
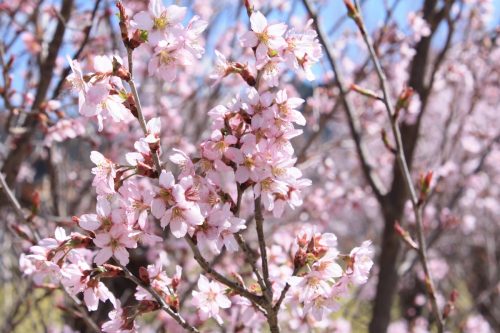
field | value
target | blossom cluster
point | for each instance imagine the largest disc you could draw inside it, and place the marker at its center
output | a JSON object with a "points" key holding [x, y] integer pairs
{"points": [[320, 282], [248, 151]]}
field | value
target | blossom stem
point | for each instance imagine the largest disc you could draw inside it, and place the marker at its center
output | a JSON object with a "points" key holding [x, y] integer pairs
{"points": [[165, 307], [259, 226], [249, 252], [271, 312], [257, 300], [140, 114]]}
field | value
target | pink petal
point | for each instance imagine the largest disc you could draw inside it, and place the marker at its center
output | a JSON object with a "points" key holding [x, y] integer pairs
{"points": [[223, 301], [158, 208], [156, 7], [89, 222], [258, 22], [103, 255], [143, 21], [276, 29], [193, 215], [178, 228], [242, 174], [165, 220], [90, 299], [103, 207], [97, 158], [176, 13], [102, 240], [166, 179], [249, 39], [122, 255], [203, 284]]}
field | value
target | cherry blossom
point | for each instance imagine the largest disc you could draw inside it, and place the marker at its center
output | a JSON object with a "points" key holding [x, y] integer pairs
{"points": [[210, 298], [159, 20], [267, 38], [105, 173], [114, 243]]}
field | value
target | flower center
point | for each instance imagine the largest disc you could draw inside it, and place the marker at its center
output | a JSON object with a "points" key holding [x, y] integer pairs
{"points": [[266, 185], [283, 108], [177, 213], [106, 223], [264, 38], [160, 23], [211, 296], [165, 57], [277, 172], [167, 196], [249, 162], [114, 243], [221, 146]]}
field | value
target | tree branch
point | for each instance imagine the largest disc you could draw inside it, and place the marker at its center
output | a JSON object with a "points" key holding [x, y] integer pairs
{"points": [[354, 125], [165, 307], [258, 300], [401, 159]]}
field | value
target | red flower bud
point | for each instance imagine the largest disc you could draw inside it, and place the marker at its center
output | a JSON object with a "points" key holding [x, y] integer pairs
{"points": [[144, 275]]}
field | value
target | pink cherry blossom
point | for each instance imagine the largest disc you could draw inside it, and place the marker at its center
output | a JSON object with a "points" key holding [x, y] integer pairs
{"points": [[104, 172], [169, 57], [361, 259], [304, 49], [210, 298], [76, 278], [114, 243], [264, 36], [118, 321], [285, 108], [159, 21]]}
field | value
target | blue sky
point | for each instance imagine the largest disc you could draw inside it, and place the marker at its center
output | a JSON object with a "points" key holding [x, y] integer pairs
{"points": [[373, 12]]}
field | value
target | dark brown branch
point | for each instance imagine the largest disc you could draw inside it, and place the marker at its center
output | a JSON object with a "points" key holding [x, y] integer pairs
{"points": [[256, 299], [164, 306]]}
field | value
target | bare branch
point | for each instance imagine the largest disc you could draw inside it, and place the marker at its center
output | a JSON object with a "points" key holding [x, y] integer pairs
{"points": [[354, 125], [417, 207]]}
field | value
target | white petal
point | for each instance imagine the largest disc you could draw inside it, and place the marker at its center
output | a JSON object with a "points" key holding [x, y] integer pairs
{"points": [[258, 22]]}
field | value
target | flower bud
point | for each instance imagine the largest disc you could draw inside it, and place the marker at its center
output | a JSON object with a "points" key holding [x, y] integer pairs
{"points": [[299, 259], [144, 275]]}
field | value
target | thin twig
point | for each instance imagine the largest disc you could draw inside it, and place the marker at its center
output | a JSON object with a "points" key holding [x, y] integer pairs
{"points": [[375, 182], [256, 299], [401, 160], [19, 211], [259, 226], [165, 307], [140, 114], [249, 253], [284, 291], [17, 207]]}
